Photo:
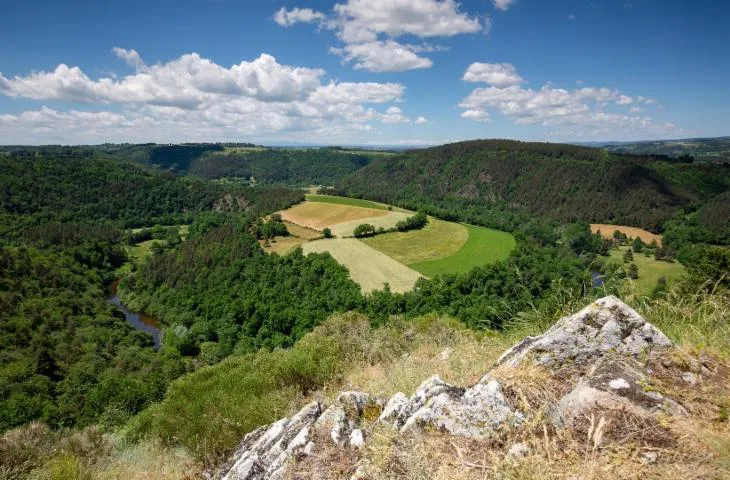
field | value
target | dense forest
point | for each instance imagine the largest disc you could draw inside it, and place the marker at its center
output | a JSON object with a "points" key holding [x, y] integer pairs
{"points": [[498, 182], [699, 149]]}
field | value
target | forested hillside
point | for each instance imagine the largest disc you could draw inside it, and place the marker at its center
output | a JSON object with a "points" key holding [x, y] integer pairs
{"points": [[563, 182], [36, 189]]}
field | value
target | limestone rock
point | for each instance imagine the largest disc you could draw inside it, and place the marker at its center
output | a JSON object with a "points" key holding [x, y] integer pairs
{"points": [[607, 325]]}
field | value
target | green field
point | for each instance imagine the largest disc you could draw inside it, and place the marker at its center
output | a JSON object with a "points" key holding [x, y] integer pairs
{"points": [[650, 270], [445, 247], [483, 247], [438, 239], [355, 202]]}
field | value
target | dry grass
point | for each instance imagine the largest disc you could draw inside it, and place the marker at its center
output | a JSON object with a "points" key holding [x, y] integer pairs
{"points": [[368, 267], [632, 232], [317, 216], [298, 235], [346, 229]]}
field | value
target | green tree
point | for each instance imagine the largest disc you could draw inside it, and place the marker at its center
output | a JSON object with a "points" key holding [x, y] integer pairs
{"points": [[633, 271], [628, 256], [327, 233]]}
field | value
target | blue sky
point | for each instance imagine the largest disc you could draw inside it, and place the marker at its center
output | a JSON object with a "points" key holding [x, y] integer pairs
{"points": [[362, 71]]}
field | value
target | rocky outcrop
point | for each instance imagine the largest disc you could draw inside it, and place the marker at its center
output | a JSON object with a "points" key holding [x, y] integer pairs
{"points": [[600, 353]]}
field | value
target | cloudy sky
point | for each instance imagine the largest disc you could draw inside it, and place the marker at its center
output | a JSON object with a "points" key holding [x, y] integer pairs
{"points": [[362, 71]]}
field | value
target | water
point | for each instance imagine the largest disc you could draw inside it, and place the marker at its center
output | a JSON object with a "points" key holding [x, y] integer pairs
{"points": [[597, 279], [140, 321]]}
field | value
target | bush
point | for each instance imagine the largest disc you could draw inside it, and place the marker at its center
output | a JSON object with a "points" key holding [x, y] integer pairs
{"points": [[327, 233], [364, 230]]}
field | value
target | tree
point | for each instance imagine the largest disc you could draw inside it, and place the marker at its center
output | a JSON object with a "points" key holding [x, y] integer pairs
{"points": [[633, 272], [327, 233], [628, 256], [637, 245], [364, 230]]}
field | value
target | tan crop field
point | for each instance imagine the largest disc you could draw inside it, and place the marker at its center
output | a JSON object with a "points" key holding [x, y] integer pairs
{"points": [[368, 267], [317, 216], [346, 229], [297, 236], [632, 232]]}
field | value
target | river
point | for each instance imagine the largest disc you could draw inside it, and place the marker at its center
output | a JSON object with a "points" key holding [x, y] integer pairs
{"points": [[140, 321]]}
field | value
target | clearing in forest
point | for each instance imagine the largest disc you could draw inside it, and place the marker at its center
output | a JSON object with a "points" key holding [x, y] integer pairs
{"points": [[297, 236], [368, 267], [354, 202], [484, 246], [318, 215], [650, 269], [438, 239], [346, 229], [631, 232]]}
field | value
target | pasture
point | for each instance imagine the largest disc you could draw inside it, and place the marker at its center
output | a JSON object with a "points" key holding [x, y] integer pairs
{"points": [[650, 269], [438, 239], [354, 202], [318, 215], [346, 229], [631, 232], [368, 267], [484, 246]]}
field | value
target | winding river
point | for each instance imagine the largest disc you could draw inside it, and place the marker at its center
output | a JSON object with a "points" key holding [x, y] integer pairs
{"points": [[140, 321]]}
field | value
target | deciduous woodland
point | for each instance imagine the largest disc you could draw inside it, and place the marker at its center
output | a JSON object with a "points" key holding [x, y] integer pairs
{"points": [[184, 233]]}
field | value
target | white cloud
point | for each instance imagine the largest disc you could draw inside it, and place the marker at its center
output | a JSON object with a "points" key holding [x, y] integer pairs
{"points": [[636, 110], [503, 4], [387, 56], [131, 57], [421, 120], [476, 115], [287, 18], [192, 98], [495, 74], [582, 109], [369, 29]]}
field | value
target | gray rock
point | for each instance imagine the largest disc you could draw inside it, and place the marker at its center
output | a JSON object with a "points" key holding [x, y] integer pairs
{"points": [[356, 439], [393, 408], [607, 325]]}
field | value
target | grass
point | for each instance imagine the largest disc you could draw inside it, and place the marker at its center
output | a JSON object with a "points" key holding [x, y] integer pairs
{"points": [[298, 235], [650, 270], [346, 229], [137, 253], [438, 239], [354, 202], [318, 215], [632, 232], [368, 267], [484, 246]]}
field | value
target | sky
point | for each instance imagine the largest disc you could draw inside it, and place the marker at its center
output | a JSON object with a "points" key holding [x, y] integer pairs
{"points": [[362, 72]]}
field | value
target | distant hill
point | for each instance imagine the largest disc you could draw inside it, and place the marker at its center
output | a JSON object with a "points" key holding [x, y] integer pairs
{"points": [[701, 149], [563, 182]]}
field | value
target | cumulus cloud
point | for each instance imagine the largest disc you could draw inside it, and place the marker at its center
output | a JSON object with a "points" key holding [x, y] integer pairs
{"points": [[192, 98], [387, 56], [503, 4], [361, 24], [421, 120], [287, 18], [583, 109], [495, 74]]}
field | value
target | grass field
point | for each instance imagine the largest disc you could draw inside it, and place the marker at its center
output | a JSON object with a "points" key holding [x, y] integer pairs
{"points": [[318, 215], [346, 229], [368, 267], [632, 232], [650, 270], [297, 236], [484, 246], [438, 239], [354, 202]]}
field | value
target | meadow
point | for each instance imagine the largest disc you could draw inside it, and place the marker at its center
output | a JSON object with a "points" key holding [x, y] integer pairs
{"points": [[368, 267], [318, 215], [354, 202], [484, 246], [650, 269]]}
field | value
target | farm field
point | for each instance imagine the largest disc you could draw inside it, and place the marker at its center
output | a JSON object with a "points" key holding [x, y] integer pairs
{"points": [[318, 215], [354, 202], [632, 232], [297, 236], [346, 229], [484, 246], [650, 270], [438, 239], [368, 267]]}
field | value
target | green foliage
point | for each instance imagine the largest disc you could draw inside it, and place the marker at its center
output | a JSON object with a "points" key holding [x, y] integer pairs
{"points": [[632, 271], [276, 166], [327, 233], [364, 230], [415, 222], [708, 265], [221, 287], [495, 183]]}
